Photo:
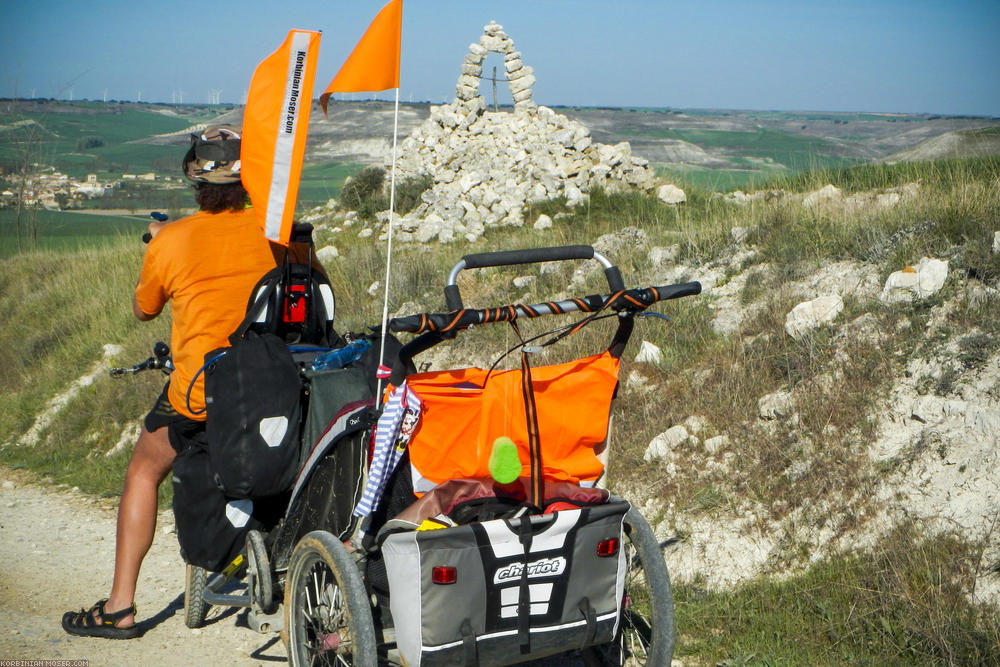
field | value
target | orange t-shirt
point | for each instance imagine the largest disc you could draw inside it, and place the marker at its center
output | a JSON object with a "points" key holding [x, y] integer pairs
{"points": [[206, 265]]}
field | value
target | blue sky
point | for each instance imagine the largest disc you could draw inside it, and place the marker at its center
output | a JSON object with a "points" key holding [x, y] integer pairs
{"points": [[821, 55]]}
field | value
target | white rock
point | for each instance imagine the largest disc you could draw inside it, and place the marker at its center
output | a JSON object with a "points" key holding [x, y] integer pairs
{"points": [[660, 446], [671, 194], [695, 424], [716, 444], [810, 314], [983, 420], [778, 405], [927, 409], [327, 253], [636, 381], [825, 195], [919, 282], [996, 241], [521, 282], [740, 234], [111, 350], [543, 222], [659, 256], [648, 354]]}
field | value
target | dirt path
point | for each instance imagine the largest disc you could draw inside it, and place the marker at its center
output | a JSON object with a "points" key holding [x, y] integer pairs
{"points": [[56, 551]]}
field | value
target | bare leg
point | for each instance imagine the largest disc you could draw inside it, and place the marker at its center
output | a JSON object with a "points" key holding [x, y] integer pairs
{"points": [[151, 461]]}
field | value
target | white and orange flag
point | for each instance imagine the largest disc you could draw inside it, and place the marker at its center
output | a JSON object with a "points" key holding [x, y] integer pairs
{"points": [[374, 62], [275, 125]]}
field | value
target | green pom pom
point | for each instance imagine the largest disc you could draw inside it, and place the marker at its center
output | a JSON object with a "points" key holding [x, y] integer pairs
{"points": [[505, 465]]}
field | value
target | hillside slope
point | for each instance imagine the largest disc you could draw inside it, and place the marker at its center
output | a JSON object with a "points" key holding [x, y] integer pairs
{"points": [[950, 145]]}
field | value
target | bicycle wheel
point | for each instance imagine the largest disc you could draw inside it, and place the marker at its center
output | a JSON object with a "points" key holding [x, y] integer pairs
{"points": [[646, 632], [328, 619], [195, 607]]}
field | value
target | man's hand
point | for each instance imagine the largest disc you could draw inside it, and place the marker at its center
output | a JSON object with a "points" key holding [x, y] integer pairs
{"points": [[155, 227]]}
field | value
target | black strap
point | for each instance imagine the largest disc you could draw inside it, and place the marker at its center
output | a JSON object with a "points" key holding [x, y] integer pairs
{"points": [[524, 593], [470, 653], [534, 440], [591, 617]]}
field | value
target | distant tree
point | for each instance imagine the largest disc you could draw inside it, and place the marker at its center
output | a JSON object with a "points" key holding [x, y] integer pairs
{"points": [[86, 143]]}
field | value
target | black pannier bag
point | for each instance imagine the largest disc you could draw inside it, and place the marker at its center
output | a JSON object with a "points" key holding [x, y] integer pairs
{"points": [[211, 529], [253, 394]]}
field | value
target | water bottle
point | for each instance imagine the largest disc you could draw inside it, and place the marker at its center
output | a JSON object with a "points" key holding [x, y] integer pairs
{"points": [[341, 356]]}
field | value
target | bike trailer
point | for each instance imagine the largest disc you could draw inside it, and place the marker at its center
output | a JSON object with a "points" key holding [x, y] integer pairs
{"points": [[502, 591], [542, 579]]}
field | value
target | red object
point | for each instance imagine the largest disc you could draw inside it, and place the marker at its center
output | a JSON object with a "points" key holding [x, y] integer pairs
{"points": [[607, 548], [295, 303], [560, 506], [444, 575]]}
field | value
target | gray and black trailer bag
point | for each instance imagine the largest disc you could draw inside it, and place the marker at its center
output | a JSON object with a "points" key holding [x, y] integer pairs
{"points": [[507, 590]]}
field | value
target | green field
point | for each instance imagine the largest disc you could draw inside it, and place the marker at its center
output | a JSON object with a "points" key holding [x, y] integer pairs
{"points": [[58, 138], [321, 182], [65, 230], [719, 180], [794, 151]]}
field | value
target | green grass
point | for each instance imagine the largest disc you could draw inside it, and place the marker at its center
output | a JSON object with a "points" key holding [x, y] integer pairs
{"points": [[903, 604]]}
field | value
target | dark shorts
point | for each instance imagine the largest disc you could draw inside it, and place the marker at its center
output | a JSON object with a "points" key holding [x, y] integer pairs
{"points": [[183, 431]]}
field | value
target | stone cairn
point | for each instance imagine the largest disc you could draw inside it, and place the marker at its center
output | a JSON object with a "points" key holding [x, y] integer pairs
{"points": [[486, 166]]}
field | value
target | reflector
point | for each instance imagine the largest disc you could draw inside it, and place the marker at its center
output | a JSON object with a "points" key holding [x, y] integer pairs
{"points": [[608, 547], [444, 575]]}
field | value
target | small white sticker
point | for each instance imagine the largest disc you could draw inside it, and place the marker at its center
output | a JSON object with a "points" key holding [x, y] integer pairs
{"points": [[238, 511], [273, 430]]}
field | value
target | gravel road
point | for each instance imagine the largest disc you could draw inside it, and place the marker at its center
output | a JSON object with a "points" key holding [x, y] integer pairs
{"points": [[56, 551]]}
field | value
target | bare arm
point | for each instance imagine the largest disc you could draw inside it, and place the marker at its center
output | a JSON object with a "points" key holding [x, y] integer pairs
{"points": [[140, 314]]}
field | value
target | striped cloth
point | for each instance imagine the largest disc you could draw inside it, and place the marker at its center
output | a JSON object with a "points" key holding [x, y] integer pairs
{"points": [[392, 433]]}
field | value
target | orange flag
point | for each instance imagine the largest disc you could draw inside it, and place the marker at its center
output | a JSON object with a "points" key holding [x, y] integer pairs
{"points": [[374, 62], [275, 124]]}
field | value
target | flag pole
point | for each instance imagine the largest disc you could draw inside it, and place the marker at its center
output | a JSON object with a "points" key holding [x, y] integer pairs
{"points": [[388, 252]]}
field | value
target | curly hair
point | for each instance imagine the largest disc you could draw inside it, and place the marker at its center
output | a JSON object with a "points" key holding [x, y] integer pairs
{"points": [[216, 198]]}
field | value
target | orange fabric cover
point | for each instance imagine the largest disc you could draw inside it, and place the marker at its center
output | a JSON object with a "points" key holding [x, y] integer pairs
{"points": [[461, 418], [206, 264], [275, 125]]}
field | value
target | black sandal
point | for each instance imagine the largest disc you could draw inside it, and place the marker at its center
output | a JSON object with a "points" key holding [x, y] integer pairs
{"points": [[84, 624]]}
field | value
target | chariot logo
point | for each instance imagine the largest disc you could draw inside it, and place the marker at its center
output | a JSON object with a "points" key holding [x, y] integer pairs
{"points": [[544, 567]]}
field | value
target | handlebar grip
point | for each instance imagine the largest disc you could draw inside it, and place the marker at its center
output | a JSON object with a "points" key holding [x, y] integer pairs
{"points": [[527, 256], [147, 237], [665, 292]]}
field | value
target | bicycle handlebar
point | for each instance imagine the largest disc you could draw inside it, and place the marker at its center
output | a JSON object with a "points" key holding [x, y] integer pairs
{"points": [[527, 256], [632, 301], [160, 360]]}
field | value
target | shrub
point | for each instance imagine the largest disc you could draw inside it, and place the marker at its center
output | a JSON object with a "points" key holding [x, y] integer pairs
{"points": [[362, 192], [86, 143]]}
